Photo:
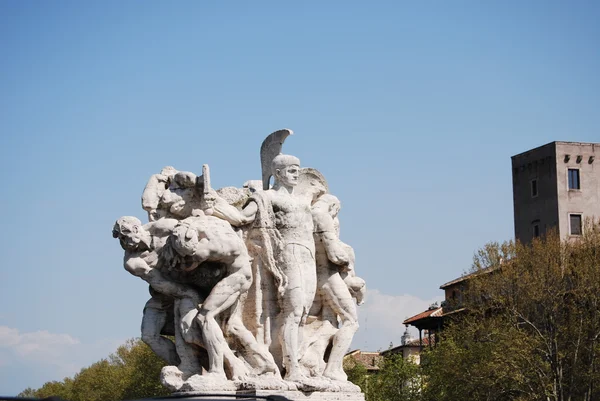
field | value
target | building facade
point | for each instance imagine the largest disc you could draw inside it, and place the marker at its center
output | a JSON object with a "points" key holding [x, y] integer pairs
{"points": [[556, 185]]}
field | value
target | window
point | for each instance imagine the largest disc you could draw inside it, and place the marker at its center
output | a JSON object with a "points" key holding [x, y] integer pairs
{"points": [[534, 188], [574, 178], [536, 230], [575, 224]]}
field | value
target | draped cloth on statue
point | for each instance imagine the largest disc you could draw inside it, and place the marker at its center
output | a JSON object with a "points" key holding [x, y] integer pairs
{"points": [[261, 307]]}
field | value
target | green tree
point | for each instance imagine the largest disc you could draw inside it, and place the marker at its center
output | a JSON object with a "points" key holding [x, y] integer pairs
{"points": [[132, 372], [531, 327], [51, 389], [142, 368], [357, 373], [396, 380], [99, 382]]}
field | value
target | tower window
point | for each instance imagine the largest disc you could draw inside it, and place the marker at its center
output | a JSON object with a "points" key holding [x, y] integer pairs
{"points": [[536, 230], [574, 178], [534, 188]]}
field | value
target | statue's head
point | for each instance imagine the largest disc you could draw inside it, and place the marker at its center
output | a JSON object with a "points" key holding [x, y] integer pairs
{"points": [[286, 169], [168, 171], [184, 239], [129, 231], [184, 179], [332, 202]]}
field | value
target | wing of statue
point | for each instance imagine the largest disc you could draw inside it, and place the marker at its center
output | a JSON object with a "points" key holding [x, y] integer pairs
{"points": [[310, 182], [270, 148]]}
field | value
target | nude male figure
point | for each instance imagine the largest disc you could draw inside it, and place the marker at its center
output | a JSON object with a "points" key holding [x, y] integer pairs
{"points": [[210, 239], [337, 284], [153, 192], [142, 245], [286, 219]]}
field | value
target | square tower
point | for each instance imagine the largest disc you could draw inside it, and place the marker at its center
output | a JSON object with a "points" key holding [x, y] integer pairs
{"points": [[556, 185]]}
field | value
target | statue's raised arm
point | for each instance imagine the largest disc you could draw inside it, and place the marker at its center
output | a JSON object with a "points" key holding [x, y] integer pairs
{"points": [[215, 205]]}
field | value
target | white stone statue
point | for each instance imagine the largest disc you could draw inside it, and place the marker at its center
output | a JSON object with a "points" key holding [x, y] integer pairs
{"points": [[142, 245], [154, 190], [209, 239], [254, 282], [334, 259]]}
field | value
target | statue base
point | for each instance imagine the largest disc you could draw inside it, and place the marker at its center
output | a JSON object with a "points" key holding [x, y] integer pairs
{"points": [[174, 379], [290, 395]]}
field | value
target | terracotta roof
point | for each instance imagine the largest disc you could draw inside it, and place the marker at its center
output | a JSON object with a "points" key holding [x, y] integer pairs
{"points": [[434, 312], [411, 344], [370, 360]]}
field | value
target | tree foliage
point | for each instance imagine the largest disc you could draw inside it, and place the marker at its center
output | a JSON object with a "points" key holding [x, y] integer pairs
{"points": [[131, 372], [357, 373], [529, 330], [531, 326], [396, 380]]}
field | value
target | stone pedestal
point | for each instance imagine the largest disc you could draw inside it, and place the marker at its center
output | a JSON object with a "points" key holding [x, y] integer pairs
{"points": [[290, 395]]}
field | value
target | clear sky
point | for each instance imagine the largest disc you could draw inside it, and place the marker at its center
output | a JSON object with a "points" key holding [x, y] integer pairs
{"points": [[411, 110]]}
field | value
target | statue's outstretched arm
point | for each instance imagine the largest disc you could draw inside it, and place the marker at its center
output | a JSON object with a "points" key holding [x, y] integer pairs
{"points": [[335, 249], [325, 229], [232, 215], [165, 286], [138, 267], [162, 227]]}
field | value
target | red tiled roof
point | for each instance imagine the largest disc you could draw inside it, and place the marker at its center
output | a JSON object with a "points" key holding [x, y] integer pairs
{"points": [[370, 360], [435, 312], [411, 344]]}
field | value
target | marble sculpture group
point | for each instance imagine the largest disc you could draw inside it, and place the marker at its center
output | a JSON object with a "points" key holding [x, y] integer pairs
{"points": [[253, 284]]}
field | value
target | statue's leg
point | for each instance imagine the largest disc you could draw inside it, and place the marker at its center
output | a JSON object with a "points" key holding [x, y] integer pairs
{"points": [[309, 347], [261, 360], [295, 302], [222, 296], [292, 309], [189, 354], [315, 310], [309, 281], [309, 285], [155, 317], [339, 299], [189, 329], [318, 333]]}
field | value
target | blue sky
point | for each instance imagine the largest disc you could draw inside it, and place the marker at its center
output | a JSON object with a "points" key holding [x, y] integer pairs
{"points": [[411, 110]]}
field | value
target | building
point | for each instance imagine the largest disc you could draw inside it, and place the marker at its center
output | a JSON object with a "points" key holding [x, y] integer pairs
{"points": [[454, 290], [555, 186], [430, 322], [410, 349], [370, 360]]}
